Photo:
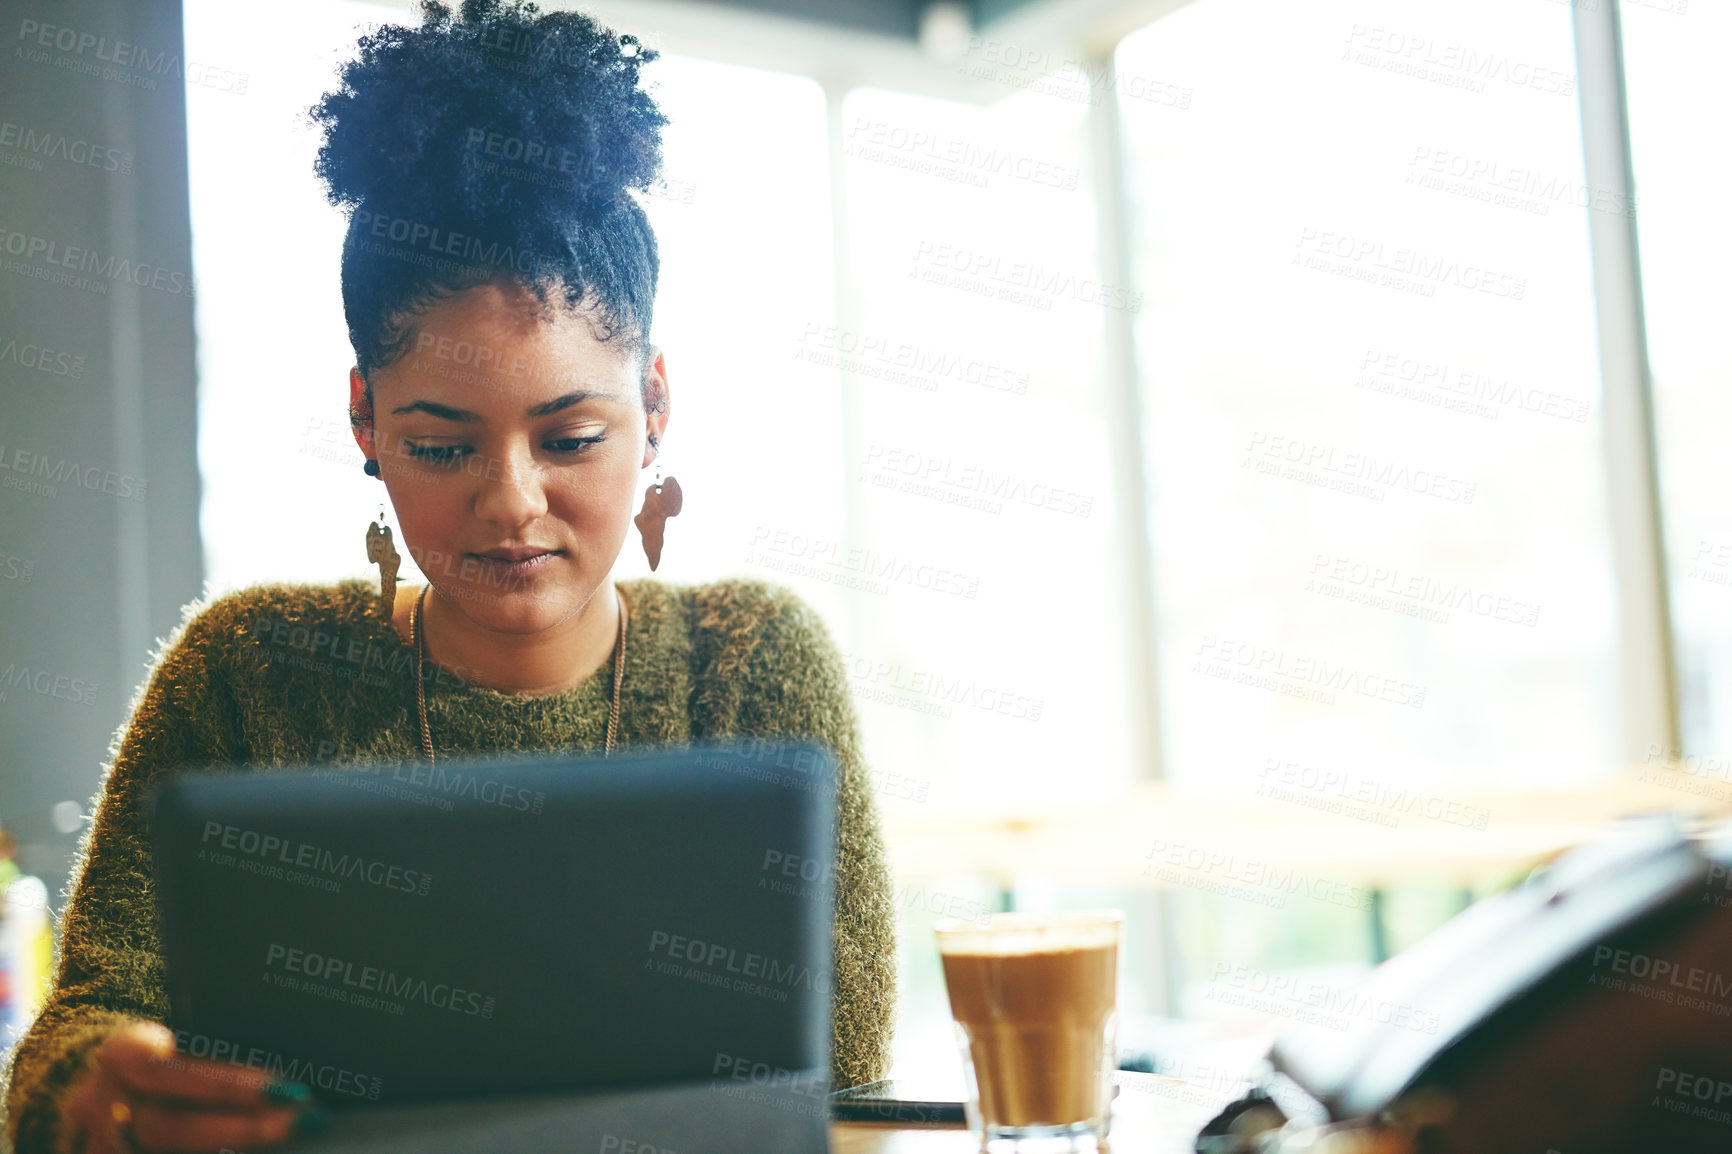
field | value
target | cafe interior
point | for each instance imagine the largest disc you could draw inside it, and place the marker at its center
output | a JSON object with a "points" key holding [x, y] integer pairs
{"points": [[1258, 460]]}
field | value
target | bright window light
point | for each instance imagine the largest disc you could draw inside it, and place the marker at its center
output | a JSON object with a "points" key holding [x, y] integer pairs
{"points": [[1670, 61], [1370, 373], [1372, 383]]}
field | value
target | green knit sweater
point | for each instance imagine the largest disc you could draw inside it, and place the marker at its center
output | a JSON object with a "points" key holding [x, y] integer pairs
{"points": [[280, 674]]}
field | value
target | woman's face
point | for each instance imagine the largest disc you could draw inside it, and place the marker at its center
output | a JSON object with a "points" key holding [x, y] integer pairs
{"points": [[511, 444]]}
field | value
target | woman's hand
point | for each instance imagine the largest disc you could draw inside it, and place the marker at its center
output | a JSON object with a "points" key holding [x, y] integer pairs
{"points": [[138, 1094]]}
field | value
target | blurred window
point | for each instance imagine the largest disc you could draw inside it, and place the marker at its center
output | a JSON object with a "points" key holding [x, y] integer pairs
{"points": [[1370, 373], [1678, 110]]}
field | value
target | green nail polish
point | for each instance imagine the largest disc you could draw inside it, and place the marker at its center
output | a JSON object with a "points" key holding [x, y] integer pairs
{"points": [[286, 1093], [312, 1122]]}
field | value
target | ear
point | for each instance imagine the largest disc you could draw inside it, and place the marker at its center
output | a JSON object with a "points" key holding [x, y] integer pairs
{"points": [[657, 403], [361, 413]]}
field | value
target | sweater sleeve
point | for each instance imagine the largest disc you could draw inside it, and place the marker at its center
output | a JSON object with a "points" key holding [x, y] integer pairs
{"points": [[110, 970], [791, 683]]}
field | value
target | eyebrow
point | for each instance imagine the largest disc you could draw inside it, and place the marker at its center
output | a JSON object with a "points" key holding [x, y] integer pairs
{"points": [[447, 413]]}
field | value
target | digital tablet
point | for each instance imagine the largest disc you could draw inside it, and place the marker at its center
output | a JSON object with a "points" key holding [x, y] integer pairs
{"points": [[394, 932]]}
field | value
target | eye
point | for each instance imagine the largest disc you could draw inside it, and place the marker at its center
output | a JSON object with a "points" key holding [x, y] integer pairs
{"points": [[572, 445], [437, 454]]}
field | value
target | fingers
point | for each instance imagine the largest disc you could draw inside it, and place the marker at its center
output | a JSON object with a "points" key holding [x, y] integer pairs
{"points": [[141, 1058], [139, 1094], [166, 1127]]}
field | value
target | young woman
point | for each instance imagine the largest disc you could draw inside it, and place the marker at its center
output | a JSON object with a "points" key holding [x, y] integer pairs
{"points": [[498, 281]]}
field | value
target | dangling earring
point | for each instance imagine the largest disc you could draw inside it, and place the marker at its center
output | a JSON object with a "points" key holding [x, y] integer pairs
{"points": [[660, 501], [383, 553]]}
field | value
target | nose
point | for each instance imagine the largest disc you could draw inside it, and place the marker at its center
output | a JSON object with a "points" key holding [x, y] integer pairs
{"points": [[511, 493]]}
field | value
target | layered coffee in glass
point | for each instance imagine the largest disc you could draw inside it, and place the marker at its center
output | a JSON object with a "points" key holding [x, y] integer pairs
{"points": [[1034, 997]]}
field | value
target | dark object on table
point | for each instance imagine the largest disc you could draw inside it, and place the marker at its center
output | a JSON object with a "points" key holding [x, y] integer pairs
{"points": [[894, 1102], [1585, 1011]]}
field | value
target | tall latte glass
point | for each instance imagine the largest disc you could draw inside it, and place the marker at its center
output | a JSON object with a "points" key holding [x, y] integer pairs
{"points": [[1034, 997]]}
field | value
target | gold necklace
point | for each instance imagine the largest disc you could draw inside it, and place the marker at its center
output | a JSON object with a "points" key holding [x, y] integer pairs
{"points": [[420, 637]]}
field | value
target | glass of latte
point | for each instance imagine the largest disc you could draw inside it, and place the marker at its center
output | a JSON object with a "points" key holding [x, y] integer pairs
{"points": [[1034, 997]]}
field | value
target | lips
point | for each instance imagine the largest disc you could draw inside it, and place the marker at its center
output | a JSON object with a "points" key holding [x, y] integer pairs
{"points": [[516, 564], [523, 554]]}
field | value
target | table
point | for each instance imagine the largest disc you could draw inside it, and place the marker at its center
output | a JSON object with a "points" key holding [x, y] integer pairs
{"points": [[1152, 1114]]}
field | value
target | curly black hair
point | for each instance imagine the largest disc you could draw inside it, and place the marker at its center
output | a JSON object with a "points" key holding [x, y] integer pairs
{"points": [[497, 145]]}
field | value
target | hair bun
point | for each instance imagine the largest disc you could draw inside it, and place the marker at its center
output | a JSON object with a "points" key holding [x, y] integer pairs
{"points": [[504, 118]]}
